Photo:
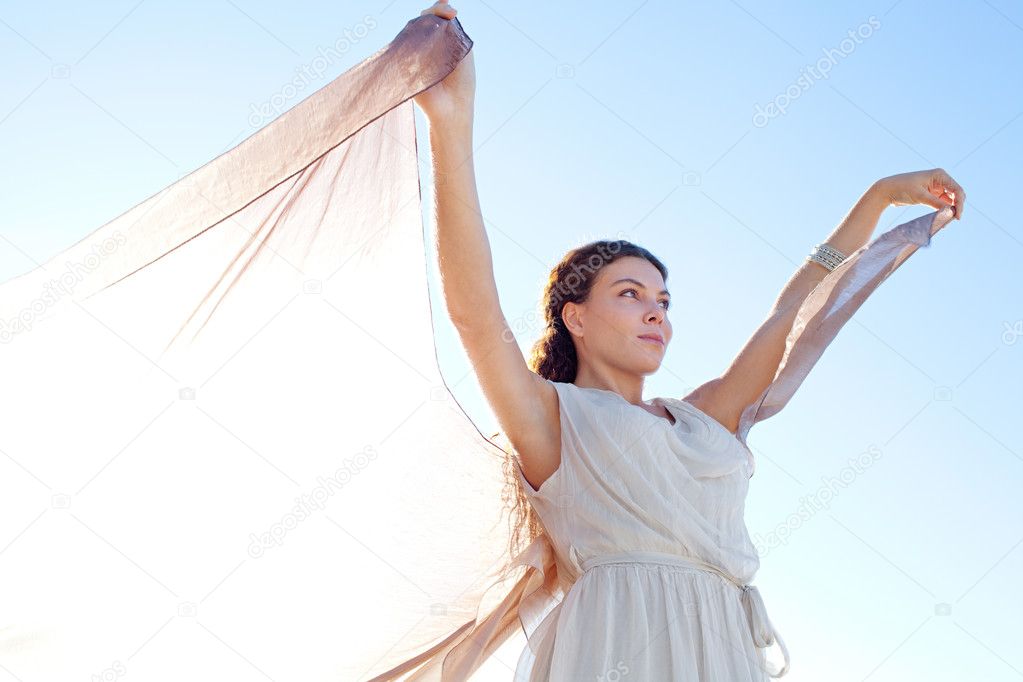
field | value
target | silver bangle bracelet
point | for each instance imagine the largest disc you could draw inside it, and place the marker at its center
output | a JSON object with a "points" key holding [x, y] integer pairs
{"points": [[828, 256]]}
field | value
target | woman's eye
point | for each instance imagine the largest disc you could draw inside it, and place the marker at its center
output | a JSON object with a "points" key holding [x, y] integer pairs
{"points": [[666, 302]]}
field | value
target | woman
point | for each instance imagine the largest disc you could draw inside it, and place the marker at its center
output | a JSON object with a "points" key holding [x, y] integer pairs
{"points": [[642, 500]]}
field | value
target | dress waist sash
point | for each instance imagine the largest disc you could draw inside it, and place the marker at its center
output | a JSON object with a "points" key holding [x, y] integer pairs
{"points": [[764, 634]]}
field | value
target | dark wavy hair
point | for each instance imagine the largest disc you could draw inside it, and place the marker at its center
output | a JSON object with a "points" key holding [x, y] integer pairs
{"points": [[553, 356]]}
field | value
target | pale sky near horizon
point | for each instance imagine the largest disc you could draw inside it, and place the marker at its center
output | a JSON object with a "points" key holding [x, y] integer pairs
{"points": [[649, 121]]}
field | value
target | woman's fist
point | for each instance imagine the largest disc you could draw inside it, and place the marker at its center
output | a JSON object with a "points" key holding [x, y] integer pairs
{"points": [[442, 9], [453, 97], [933, 187]]}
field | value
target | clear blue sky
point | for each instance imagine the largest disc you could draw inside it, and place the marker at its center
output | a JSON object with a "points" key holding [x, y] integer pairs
{"points": [[638, 119]]}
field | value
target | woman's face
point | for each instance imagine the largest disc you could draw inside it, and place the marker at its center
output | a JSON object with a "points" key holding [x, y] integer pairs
{"points": [[628, 301]]}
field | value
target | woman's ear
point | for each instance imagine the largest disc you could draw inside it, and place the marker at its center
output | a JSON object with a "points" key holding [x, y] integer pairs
{"points": [[571, 314]]}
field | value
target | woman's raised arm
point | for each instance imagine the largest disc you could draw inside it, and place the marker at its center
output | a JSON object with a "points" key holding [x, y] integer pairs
{"points": [[524, 403], [753, 369]]}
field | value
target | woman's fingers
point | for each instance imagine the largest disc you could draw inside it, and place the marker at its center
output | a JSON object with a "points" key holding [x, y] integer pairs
{"points": [[441, 8], [926, 196], [933, 187], [952, 187], [960, 200]]}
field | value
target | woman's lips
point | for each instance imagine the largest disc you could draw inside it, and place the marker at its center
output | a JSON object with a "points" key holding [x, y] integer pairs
{"points": [[652, 339]]}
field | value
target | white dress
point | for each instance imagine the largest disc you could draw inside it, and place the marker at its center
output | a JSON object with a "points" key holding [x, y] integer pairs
{"points": [[640, 512]]}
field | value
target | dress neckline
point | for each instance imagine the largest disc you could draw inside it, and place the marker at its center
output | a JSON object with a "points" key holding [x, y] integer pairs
{"points": [[670, 424], [668, 403]]}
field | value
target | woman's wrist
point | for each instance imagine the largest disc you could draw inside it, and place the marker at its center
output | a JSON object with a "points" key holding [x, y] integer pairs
{"points": [[451, 129], [879, 194]]}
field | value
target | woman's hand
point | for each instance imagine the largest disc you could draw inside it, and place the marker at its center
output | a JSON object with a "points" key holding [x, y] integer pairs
{"points": [[453, 97], [932, 187]]}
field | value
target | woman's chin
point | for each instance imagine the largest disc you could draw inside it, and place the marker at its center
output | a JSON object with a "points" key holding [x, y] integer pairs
{"points": [[647, 365]]}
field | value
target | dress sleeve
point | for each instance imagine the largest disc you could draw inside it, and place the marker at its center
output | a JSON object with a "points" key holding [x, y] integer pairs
{"points": [[832, 302]]}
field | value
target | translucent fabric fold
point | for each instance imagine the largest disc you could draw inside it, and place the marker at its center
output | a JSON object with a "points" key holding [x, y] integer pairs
{"points": [[229, 452], [832, 302]]}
